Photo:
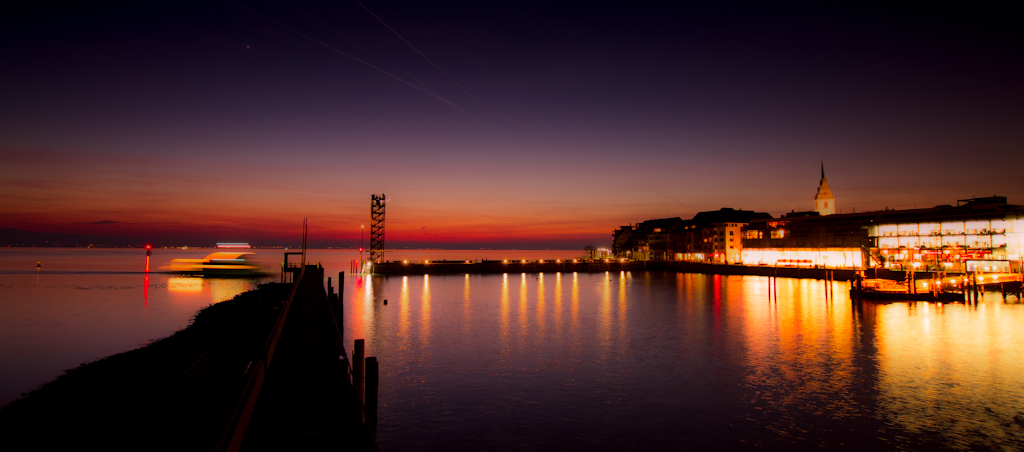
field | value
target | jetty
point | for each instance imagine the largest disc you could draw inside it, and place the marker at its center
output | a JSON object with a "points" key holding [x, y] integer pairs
{"points": [[306, 394], [265, 370]]}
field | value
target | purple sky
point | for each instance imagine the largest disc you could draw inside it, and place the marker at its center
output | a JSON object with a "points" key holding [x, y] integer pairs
{"points": [[550, 125]]}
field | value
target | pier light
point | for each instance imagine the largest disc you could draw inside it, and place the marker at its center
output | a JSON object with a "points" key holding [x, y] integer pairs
{"points": [[504, 261], [405, 262], [558, 261], [467, 261], [541, 261], [426, 262], [574, 261], [524, 261]]}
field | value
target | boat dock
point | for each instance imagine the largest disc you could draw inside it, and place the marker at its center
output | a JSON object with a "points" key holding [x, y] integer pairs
{"points": [[307, 394]]}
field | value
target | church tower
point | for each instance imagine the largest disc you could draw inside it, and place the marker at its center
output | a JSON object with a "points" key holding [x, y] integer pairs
{"points": [[824, 202]]}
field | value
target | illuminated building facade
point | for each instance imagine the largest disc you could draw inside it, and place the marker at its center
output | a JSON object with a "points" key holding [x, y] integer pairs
{"points": [[807, 239], [937, 238], [715, 236], [946, 237]]}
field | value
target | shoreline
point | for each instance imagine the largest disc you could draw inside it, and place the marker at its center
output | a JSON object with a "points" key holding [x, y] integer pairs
{"points": [[172, 394]]}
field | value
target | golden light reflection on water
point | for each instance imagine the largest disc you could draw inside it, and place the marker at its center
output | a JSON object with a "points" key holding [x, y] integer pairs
{"points": [[466, 311], [523, 304], [184, 284], [540, 302], [403, 309], [575, 303], [798, 342], [503, 325], [954, 369], [943, 370], [215, 289], [558, 302], [622, 305], [425, 312]]}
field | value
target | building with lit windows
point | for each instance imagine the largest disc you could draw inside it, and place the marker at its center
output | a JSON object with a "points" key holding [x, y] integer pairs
{"points": [[947, 237], [715, 236], [938, 238]]}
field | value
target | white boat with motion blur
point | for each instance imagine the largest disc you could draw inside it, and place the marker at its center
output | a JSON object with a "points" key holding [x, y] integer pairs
{"points": [[224, 264]]}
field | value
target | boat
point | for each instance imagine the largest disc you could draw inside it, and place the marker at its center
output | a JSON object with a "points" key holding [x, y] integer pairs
{"points": [[218, 264], [887, 289]]}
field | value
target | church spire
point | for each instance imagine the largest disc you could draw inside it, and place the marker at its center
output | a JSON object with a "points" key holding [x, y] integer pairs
{"points": [[824, 202]]}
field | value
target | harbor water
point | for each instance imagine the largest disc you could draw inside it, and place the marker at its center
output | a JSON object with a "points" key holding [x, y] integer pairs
{"points": [[588, 361]]}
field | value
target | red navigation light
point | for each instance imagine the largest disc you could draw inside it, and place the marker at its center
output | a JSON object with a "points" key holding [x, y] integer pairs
{"points": [[360, 249], [149, 247]]}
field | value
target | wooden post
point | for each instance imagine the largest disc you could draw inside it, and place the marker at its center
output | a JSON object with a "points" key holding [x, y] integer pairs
{"points": [[372, 381], [359, 369], [340, 306], [330, 292]]}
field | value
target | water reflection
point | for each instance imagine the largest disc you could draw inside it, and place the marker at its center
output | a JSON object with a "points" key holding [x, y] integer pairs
{"points": [[403, 311], [605, 313], [952, 371], [425, 312], [523, 297], [575, 303], [504, 301], [710, 360], [184, 284], [558, 302], [540, 302]]}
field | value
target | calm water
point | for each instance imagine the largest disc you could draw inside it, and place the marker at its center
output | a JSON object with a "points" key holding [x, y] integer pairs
{"points": [[618, 361], [85, 304]]}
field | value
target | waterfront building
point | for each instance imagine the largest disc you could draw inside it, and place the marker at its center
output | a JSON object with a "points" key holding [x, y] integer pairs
{"points": [[651, 239], [807, 239], [938, 238], [622, 242], [978, 232], [947, 237], [715, 236]]}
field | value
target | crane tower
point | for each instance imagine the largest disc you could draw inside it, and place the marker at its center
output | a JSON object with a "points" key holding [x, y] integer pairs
{"points": [[377, 227]]}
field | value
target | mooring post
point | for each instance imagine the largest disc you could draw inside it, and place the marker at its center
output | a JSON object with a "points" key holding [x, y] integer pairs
{"points": [[330, 292], [359, 369], [340, 306], [372, 381]]}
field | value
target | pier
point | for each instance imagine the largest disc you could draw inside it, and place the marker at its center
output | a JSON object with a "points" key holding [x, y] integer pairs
{"points": [[306, 394], [263, 371]]}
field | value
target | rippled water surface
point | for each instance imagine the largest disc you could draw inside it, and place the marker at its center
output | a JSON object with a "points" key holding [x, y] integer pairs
{"points": [[603, 361], [665, 361]]}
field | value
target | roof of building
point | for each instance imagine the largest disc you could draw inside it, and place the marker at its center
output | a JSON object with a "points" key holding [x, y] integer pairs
{"points": [[665, 224], [968, 209], [728, 215]]}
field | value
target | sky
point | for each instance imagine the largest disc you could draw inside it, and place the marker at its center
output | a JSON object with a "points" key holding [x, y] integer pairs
{"points": [[498, 124]]}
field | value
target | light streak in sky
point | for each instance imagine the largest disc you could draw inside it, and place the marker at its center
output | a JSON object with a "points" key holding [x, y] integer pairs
{"points": [[422, 55], [353, 58]]}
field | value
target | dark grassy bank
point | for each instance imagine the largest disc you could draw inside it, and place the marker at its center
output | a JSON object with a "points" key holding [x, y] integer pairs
{"points": [[174, 394]]}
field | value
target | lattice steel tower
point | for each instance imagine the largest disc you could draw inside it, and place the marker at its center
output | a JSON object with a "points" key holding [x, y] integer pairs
{"points": [[377, 227]]}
